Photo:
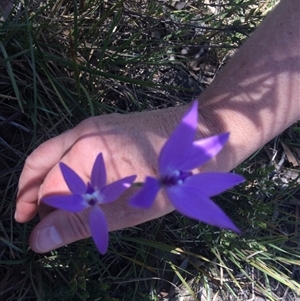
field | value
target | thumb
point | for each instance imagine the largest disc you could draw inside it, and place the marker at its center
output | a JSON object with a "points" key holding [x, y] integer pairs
{"points": [[58, 229]]}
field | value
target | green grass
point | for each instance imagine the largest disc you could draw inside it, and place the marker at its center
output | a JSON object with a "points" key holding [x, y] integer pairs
{"points": [[61, 62]]}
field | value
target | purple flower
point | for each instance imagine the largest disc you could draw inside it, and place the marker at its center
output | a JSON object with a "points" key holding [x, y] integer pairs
{"points": [[190, 194], [90, 196]]}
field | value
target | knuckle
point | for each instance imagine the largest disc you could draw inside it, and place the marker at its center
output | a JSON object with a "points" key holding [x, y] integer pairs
{"points": [[30, 162], [79, 225]]}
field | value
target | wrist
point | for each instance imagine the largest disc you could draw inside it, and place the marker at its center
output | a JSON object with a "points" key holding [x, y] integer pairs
{"points": [[216, 118]]}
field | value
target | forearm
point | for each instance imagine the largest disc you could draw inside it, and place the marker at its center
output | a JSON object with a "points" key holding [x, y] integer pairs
{"points": [[257, 95]]}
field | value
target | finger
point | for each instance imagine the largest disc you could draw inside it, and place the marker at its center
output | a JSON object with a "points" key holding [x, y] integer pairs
{"points": [[36, 168], [59, 227]]}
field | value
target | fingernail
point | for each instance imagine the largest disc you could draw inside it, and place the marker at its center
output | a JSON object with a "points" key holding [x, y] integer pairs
{"points": [[16, 216], [47, 239]]}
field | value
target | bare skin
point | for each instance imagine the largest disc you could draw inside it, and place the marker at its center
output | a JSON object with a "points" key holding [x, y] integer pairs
{"points": [[255, 97]]}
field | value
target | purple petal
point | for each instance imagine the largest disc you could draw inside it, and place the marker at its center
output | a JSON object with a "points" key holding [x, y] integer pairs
{"points": [[192, 203], [145, 197], [71, 203], [112, 191], [213, 183], [203, 150], [99, 229], [176, 150], [98, 177], [74, 182]]}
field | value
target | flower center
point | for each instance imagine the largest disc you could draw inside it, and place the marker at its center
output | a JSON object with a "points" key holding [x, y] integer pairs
{"points": [[177, 178], [91, 199], [92, 196]]}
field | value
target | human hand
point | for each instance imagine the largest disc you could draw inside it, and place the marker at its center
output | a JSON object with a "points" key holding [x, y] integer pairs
{"points": [[130, 145]]}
